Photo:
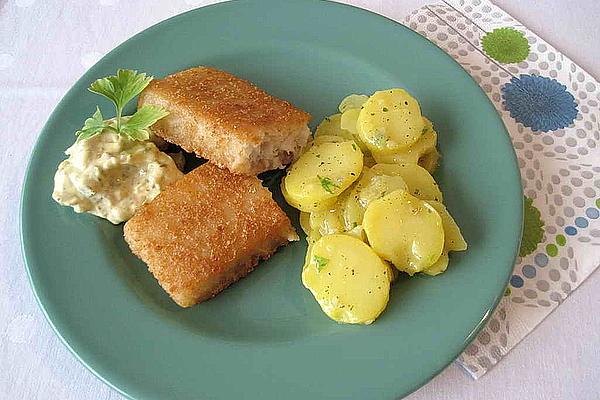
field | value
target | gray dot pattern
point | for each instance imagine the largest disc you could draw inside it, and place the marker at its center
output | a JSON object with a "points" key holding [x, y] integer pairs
{"points": [[559, 169]]}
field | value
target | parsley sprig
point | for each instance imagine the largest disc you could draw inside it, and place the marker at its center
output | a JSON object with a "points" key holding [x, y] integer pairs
{"points": [[120, 89]]}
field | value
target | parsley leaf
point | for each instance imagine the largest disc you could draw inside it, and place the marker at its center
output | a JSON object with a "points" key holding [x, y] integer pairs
{"points": [[136, 127], [92, 126], [327, 183], [320, 261], [120, 89], [380, 140]]}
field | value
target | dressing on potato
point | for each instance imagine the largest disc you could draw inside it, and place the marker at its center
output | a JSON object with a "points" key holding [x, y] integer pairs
{"points": [[331, 126], [348, 280], [413, 154], [369, 205], [454, 240], [420, 182], [326, 221], [352, 101], [390, 121], [404, 230], [320, 174], [371, 186]]}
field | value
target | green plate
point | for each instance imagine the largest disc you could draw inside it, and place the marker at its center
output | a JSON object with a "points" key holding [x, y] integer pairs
{"points": [[265, 337]]}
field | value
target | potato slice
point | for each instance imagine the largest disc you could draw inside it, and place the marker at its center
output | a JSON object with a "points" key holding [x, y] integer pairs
{"points": [[348, 280], [317, 205], [348, 123], [405, 230], [439, 266], [420, 182], [413, 154], [349, 120], [454, 240], [331, 126], [305, 222], [329, 139], [390, 121], [352, 101], [369, 187], [430, 160], [327, 221], [320, 174]]}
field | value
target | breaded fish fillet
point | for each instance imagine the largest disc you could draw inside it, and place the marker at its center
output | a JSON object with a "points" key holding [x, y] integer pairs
{"points": [[227, 120], [206, 231]]}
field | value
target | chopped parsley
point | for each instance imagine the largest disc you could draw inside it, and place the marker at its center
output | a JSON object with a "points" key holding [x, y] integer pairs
{"points": [[327, 184], [321, 262], [380, 139]]}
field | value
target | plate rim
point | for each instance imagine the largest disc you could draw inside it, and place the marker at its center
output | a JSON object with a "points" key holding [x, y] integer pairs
{"points": [[70, 93]]}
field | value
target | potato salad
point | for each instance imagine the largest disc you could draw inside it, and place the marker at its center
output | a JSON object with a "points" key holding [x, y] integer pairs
{"points": [[369, 204]]}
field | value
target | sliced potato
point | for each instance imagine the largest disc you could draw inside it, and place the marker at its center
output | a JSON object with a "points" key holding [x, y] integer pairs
{"points": [[305, 222], [357, 232], [327, 221], [430, 160], [370, 187], [349, 120], [329, 139], [352, 101], [348, 280], [404, 230], [331, 126], [317, 205], [439, 266], [320, 174], [454, 240], [413, 154], [390, 121], [420, 182]]}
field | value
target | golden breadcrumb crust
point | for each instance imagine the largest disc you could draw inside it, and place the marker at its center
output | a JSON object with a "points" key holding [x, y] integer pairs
{"points": [[206, 231]]}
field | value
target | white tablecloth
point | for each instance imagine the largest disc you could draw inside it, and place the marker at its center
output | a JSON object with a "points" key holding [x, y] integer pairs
{"points": [[46, 45]]}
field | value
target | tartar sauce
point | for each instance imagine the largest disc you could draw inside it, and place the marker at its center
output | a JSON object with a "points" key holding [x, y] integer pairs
{"points": [[111, 176]]}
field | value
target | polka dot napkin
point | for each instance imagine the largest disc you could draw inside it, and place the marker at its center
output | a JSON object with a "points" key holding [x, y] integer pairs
{"points": [[550, 108]]}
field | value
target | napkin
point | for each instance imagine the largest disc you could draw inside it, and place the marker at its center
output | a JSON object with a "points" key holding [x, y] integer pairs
{"points": [[550, 108]]}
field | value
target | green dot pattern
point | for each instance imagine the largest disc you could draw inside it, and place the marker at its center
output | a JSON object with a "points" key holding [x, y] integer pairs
{"points": [[552, 250], [561, 240], [506, 45]]}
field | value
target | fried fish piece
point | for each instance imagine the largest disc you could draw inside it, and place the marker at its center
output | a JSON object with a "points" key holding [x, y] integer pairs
{"points": [[206, 231], [227, 120]]}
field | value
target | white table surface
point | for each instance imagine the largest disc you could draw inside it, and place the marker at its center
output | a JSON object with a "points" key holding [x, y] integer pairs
{"points": [[46, 45]]}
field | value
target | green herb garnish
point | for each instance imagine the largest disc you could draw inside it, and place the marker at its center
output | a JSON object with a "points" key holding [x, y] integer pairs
{"points": [[385, 109], [120, 89], [327, 183], [321, 262], [380, 140]]}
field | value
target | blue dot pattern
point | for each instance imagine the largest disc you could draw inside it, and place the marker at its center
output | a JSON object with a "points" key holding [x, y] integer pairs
{"points": [[516, 281], [571, 230], [581, 222], [592, 213], [528, 271], [541, 260], [539, 103]]}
